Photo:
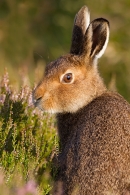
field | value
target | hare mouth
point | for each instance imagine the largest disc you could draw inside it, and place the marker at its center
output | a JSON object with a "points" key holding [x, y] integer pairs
{"points": [[40, 102]]}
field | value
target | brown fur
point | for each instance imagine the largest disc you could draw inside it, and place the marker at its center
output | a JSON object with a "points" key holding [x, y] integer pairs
{"points": [[93, 123], [95, 145]]}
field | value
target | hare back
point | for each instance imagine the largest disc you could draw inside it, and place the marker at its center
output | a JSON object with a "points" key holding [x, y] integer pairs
{"points": [[95, 148]]}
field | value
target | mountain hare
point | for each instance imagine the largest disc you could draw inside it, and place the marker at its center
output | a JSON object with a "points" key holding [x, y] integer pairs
{"points": [[93, 123]]}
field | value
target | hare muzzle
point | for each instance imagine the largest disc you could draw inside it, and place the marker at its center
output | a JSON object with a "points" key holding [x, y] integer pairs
{"points": [[38, 96]]}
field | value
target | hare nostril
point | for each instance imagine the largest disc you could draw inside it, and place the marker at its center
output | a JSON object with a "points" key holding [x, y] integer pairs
{"points": [[36, 101]]}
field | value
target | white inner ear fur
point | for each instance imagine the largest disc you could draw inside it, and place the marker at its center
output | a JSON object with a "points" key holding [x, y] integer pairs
{"points": [[87, 17], [105, 44], [61, 77]]}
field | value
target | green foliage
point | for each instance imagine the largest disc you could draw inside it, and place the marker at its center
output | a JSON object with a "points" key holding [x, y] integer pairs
{"points": [[28, 141]]}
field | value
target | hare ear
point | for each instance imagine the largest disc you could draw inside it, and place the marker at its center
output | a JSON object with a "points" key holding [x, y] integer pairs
{"points": [[96, 38], [81, 23]]}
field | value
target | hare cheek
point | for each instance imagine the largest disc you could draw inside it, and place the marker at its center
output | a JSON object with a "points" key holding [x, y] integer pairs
{"points": [[48, 103]]}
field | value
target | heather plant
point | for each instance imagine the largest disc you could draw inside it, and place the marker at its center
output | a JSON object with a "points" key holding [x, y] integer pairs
{"points": [[28, 143]]}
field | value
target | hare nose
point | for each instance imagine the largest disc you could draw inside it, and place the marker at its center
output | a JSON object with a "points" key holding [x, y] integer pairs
{"points": [[36, 101], [38, 94]]}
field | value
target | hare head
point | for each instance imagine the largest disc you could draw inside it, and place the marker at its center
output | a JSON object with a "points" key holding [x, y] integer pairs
{"points": [[72, 81]]}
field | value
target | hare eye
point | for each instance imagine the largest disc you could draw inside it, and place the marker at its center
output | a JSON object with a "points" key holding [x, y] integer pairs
{"points": [[67, 78]]}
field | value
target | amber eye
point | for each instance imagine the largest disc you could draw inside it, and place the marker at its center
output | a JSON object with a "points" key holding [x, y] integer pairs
{"points": [[67, 78]]}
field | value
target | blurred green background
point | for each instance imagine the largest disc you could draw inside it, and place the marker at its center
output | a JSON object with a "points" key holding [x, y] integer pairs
{"points": [[34, 32]]}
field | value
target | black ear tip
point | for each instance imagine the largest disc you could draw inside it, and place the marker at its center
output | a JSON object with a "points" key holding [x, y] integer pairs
{"points": [[103, 20]]}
